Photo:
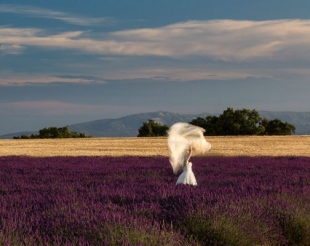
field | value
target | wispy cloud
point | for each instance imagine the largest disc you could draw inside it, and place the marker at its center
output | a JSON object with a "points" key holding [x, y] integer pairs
{"points": [[227, 49], [182, 74], [11, 49], [227, 40], [222, 39], [11, 79], [50, 14]]}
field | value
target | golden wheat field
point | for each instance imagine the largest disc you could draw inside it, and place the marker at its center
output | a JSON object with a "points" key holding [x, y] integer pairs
{"points": [[221, 146]]}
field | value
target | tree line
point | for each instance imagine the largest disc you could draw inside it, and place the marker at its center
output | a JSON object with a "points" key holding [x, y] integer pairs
{"points": [[54, 132], [230, 122]]}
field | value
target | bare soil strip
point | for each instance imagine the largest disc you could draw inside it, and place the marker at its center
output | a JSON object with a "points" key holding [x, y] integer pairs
{"points": [[221, 146]]}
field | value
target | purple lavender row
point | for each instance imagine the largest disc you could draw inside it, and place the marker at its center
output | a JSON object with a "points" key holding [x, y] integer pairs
{"points": [[134, 201]]}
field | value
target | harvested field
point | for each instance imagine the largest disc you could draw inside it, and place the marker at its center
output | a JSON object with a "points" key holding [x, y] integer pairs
{"points": [[221, 146]]}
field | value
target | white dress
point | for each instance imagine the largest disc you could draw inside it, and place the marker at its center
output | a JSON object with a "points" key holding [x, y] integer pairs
{"points": [[187, 176]]}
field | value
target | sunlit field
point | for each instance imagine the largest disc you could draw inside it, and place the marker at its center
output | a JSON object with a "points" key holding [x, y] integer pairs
{"points": [[221, 146], [121, 191]]}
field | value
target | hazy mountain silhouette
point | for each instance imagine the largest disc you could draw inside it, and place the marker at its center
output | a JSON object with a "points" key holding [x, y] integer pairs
{"points": [[128, 126]]}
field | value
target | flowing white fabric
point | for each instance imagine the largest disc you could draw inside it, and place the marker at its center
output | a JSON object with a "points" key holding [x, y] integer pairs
{"points": [[187, 176], [180, 137]]}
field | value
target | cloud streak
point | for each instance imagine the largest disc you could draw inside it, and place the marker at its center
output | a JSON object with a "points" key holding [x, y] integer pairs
{"points": [[11, 49], [45, 79], [36, 12], [226, 40], [221, 49]]}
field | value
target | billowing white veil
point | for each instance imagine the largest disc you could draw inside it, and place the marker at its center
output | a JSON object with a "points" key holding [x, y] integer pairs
{"points": [[180, 137]]}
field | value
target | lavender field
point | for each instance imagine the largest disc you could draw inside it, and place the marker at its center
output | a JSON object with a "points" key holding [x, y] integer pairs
{"points": [[134, 201]]}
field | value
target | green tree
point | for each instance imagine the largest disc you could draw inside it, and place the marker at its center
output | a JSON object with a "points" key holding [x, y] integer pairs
{"points": [[54, 132], [63, 132], [50, 132], [151, 128], [239, 122], [277, 127], [199, 121], [210, 124], [242, 122]]}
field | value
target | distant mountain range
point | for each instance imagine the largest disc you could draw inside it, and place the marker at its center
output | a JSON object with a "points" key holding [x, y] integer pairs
{"points": [[128, 126]]}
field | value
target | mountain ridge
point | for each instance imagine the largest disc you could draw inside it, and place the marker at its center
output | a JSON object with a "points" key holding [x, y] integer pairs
{"points": [[127, 126]]}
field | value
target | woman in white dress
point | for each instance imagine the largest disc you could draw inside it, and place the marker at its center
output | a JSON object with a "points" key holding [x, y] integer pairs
{"points": [[182, 139], [187, 176]]}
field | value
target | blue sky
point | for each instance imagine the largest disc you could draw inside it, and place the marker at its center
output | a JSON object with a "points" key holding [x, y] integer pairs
{"points": [[65, 62]]}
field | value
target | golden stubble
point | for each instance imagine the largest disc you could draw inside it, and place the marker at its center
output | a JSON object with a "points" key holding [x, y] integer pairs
{"points": [[221, 146]]}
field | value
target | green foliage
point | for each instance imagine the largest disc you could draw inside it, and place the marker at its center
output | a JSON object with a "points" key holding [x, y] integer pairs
{"points": [[152, 129], [277, 127], [242, 122], [234, 224], [119, 234], [54, 132]]}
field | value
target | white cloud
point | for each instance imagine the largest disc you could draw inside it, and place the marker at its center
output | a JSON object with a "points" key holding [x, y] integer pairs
{"points": [[50, 14], [228, 40], [181, 74], [270, 49], [11, 49], [12, 79]]}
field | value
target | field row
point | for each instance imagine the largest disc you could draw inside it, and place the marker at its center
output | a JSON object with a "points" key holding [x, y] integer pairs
{"points": [[134, 201], [221, 146]]}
